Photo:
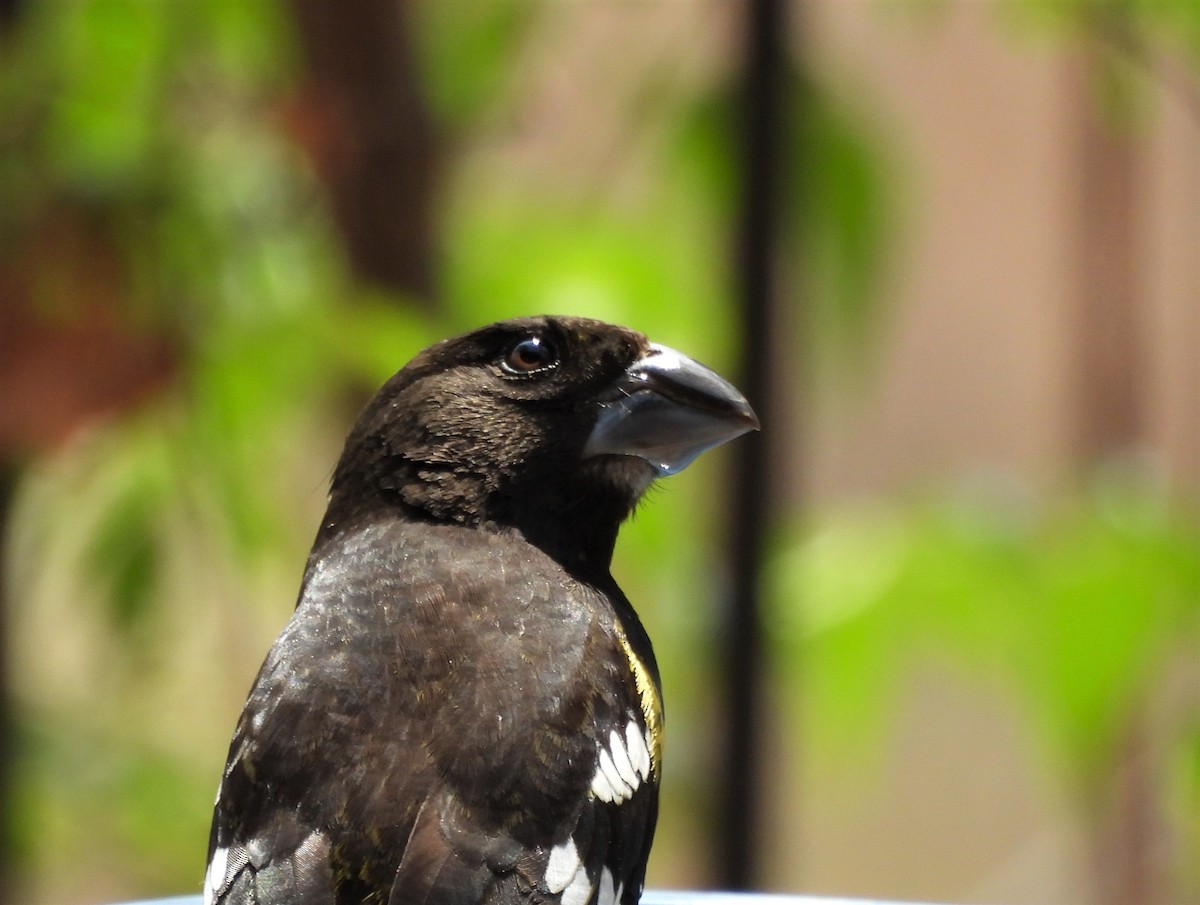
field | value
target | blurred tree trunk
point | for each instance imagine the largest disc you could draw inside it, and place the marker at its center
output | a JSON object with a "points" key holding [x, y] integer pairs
{"points": [[1109, 401], [363, 120], [1110, 372]]}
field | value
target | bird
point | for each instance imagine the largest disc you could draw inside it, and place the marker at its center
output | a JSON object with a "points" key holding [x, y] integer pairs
{"points": [[464, 707]]}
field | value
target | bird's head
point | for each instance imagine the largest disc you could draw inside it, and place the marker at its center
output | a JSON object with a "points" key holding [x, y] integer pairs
{"points": [[551, 426]]}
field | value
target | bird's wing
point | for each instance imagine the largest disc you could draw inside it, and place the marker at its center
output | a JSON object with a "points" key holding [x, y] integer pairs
{"points": [[264, 847], [464, 852], [297, 797]]}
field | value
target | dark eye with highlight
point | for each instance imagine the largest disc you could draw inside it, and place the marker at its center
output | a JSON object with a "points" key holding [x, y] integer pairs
{"points": [[530, 355]]}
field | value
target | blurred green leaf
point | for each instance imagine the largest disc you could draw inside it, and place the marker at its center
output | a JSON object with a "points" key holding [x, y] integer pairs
{"points": [[74, 780], [125, 550], [837, 203], [467, 49], [104, 120], [1079, 608], [842, 204], [509, 259]]}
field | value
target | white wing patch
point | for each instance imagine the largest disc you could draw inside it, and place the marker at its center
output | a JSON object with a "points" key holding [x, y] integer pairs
{"points": [[622, 766], [214, 877], [639, 749], [566, 874], [564, 864], [607, 783], [621, 761], [607, 894], [579, 890]]}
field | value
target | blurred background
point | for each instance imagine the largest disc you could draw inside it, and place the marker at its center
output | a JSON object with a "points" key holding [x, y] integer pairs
{"points": [[224, 223]]}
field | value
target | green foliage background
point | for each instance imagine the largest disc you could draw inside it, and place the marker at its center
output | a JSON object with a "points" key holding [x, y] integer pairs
{"points": [[152, 559]]}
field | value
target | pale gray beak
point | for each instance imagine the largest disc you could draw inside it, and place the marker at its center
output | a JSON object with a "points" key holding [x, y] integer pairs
{"points": [[667, 409]]}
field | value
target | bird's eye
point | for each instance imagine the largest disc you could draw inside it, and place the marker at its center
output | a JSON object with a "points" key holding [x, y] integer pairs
{"points": [[529, 355]]}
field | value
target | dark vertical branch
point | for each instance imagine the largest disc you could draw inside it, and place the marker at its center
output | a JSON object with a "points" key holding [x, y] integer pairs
{"points": [[1110, 373], [1110, 401], [364, 121], [8, 483], [761, 109]]}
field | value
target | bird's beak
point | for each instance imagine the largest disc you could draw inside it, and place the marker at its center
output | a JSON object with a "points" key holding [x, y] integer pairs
{"points": [[667, 409]]}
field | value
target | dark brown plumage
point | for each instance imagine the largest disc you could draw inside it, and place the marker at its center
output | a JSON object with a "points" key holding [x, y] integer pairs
{"points": [[464, 707]]}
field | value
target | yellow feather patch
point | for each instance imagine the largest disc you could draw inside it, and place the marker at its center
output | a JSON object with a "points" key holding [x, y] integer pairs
{"points": [[651, 703]]}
